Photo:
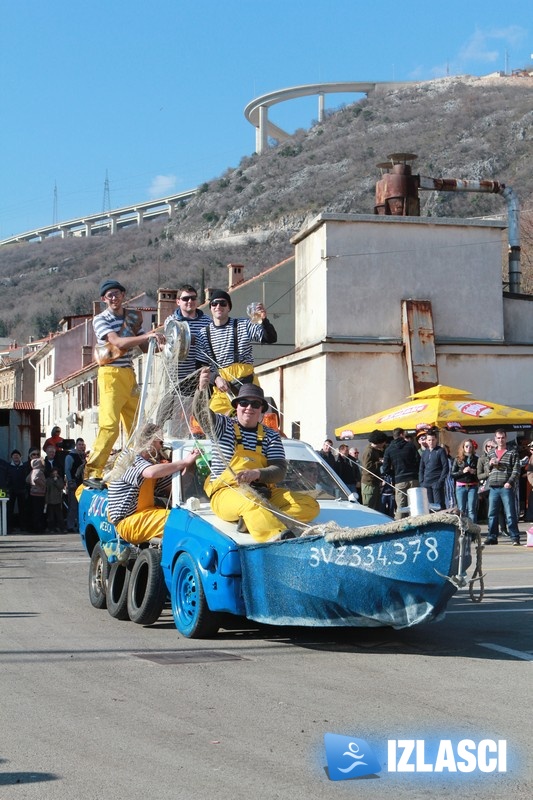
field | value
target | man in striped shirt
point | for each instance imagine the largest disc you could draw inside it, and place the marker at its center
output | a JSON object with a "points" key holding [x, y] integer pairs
{"points": [[118, 391], [187, 311], [131, 500], [225, 345], [249, 454]]}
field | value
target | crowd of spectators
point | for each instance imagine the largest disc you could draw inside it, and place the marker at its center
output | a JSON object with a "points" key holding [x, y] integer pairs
{"points": [[40, 490], [493, 485]]}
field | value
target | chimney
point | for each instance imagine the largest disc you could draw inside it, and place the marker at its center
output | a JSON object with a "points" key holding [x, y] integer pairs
{"points": [[397, 191], [236, 275], [86, 355], [166, 304]]}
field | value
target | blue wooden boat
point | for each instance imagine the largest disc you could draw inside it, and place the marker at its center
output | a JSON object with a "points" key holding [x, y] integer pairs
{"points": [[354, 567]]}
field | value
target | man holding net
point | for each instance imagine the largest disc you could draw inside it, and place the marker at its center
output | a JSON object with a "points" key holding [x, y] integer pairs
{"points": [[248, 462], [132, 504]]}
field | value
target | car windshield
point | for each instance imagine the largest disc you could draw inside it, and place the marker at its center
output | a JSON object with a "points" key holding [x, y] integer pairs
{"points": [[303, 475], [312, 477]]}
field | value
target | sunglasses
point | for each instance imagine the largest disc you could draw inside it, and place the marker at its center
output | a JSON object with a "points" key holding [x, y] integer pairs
{"points": [[245, 403], [187, 297], [222, 303]]}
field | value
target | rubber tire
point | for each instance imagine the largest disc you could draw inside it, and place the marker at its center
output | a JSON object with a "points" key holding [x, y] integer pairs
{"points": [[147, 591], [192, 616], [117, 590], [98, 575]]}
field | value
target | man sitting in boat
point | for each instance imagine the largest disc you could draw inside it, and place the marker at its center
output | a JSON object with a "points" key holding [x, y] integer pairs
{"points": [[247, 464], [131, 499]]}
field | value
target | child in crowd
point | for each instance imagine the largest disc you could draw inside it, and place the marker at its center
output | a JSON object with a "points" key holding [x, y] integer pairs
{"points": [[55, 484]]}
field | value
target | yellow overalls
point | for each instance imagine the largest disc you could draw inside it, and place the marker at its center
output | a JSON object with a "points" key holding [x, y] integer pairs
{"points": [[231, 500], [220, 403], [147, 521]]}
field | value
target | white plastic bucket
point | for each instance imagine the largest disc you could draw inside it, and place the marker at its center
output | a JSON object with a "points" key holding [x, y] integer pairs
{"points": [[529, 542], [418, 501]]}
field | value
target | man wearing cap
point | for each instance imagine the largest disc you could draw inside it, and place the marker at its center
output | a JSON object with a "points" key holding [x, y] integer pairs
{"points": [[118, 330], [131, 499], [246, 466], [371, 461], [225, 346]]}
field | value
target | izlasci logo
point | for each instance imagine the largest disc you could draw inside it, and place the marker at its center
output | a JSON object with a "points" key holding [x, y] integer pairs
{"points": [[349, 757]]}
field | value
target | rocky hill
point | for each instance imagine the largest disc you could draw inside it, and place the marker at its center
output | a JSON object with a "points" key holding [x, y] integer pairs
{"points": [[461, 127]]}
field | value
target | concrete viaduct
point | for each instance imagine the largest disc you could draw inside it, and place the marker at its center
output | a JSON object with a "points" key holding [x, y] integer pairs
{"points": [[109, 221], [256, 112]]}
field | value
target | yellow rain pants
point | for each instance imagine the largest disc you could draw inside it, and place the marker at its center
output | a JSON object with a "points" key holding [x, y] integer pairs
{"points": [[231, 500], [147, 521], [118, 398]]}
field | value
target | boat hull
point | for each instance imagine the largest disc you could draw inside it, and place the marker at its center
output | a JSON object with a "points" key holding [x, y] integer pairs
{"points": [[385, 580]]}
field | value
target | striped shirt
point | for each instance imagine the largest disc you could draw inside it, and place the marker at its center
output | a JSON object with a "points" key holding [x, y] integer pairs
{"points": [[106, 323], [188, 365], [272, 447], [217, 343], [123, 495]]}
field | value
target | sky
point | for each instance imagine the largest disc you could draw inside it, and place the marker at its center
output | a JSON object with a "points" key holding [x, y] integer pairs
{"points": [[151, 95]]}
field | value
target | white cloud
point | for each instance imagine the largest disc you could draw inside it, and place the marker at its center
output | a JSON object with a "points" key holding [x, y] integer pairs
{"points": [[484, 47], [483, 44], [162, 185]]}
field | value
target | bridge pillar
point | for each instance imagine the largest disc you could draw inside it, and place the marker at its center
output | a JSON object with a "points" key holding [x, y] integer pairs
{"points": [[139, 216], [112, 224], [88, 227], [261, 133], [321, 106]]}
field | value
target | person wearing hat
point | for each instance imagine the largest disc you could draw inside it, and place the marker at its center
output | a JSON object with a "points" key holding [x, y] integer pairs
{"points": [[118, 330], [131, 499], [225, 346], [246, 466], [371, 461]]}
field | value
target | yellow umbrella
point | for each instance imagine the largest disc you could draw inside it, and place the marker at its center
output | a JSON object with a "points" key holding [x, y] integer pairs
{"points": [[442, 407]]}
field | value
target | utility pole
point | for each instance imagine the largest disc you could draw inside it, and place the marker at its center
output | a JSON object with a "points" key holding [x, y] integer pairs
{"points": [[106, 204]]}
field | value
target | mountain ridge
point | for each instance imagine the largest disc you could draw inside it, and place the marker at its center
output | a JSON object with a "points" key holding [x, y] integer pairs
{"points": [[461, 127]]}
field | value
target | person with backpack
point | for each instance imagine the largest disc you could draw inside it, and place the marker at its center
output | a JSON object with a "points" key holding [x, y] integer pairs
{"points": [[74, 466]]}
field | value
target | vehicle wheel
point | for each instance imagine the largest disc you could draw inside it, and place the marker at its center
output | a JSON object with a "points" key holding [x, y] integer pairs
{"points": [[192, 616], [117, 590], [98, 573], [147, 591]]}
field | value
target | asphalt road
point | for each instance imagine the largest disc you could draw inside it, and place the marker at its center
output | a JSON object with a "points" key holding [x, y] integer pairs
{"points": [[94, 708]]}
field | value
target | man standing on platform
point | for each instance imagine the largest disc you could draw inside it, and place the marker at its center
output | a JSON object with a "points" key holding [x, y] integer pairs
{"points": [[118, 330]]}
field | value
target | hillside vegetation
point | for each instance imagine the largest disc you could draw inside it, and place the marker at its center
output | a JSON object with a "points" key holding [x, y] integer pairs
{"points": [[463, 127]]}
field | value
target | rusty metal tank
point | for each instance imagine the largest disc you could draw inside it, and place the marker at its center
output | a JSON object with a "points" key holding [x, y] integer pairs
{"points": [[397, 191]]}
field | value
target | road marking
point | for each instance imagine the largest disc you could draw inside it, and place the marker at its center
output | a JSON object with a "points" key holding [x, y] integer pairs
{"points": [[508, 650], [491, 611]]}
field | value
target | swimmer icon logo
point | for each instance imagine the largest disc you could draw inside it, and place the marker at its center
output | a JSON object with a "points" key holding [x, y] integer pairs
{"points": [[348, 757]]}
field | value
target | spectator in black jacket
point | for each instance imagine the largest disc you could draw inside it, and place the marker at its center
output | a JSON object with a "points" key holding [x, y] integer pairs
{"points": [[16, 486], [327, 453], [347, 469], [402, 461], [434, 468]]}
